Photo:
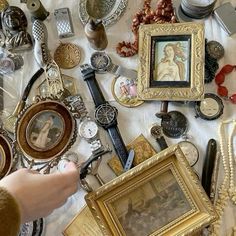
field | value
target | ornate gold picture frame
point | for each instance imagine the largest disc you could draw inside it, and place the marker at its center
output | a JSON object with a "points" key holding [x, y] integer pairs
{"points": [[7, 153], [161, 196], [45, 129], [171, 62]]}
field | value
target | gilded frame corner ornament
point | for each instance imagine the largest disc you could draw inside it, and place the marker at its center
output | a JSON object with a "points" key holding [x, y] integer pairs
{"points": [[167, 76], [163, 191]]}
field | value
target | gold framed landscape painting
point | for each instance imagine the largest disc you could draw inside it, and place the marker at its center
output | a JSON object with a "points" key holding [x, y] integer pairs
{"points": [[171, 62], [161, 196]]}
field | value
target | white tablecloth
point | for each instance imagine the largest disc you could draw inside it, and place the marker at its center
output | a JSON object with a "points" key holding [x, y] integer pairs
{"points": [[132, 121]]}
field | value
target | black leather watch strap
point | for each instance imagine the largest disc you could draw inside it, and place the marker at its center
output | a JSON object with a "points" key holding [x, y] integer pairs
{"points": [[118, 144], [89, 76], [162, 142]]}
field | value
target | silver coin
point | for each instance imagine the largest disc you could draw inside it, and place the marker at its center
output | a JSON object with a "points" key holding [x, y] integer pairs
{"points": [[215, 49]]}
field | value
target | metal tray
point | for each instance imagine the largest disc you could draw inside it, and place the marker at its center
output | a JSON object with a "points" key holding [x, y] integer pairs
{"points": [[109, 11]]}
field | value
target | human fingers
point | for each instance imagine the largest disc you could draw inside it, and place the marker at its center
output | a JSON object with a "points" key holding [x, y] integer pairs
{"points": [[67, 181]]}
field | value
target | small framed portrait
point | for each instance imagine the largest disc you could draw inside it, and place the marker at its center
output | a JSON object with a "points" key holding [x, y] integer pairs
{"points": [[45, 129], [7, 152], [124, 91], [171, 62], [161, 196]]}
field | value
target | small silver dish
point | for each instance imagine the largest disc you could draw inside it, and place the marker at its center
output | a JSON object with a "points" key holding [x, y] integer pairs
{"points": [[109, 11]]}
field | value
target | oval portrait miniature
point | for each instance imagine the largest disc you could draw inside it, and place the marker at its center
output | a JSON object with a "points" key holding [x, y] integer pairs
{"points": [[45, 130]]}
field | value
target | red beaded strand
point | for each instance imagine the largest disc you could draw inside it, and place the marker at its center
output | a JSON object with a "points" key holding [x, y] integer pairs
{"points": [[164, 13], [220, 79]]}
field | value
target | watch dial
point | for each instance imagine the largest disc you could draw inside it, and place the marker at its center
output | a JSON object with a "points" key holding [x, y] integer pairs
{"points": [[190, 151], [100, 61], [105, 114], [209, 107], [88, 129], [156, 131]]}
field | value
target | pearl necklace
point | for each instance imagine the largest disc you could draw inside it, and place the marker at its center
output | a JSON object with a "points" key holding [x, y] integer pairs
{"points": [[227, 190]]}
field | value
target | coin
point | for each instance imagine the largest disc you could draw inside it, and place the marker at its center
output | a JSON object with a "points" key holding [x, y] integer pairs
{"points": [[3, 5], [67, 55], [215, 49], [175, 124]]}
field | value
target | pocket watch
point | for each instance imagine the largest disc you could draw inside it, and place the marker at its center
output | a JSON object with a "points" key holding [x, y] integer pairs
{"points": [[190, 151], [102, 63], [210, 108]]}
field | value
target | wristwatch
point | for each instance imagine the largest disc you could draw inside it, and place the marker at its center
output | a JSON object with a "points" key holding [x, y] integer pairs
{"points": [[88, 130], [156, 132], [105, 114], [102, 63]]}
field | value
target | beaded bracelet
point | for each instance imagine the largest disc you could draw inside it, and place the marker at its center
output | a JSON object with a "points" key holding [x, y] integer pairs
{"points": [[219, 80]]}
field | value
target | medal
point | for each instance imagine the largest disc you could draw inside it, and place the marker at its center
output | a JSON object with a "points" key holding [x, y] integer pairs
{"points": [[67, 55]]}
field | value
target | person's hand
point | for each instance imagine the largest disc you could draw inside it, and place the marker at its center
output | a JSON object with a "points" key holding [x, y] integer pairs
{"points": [[38, 195]]}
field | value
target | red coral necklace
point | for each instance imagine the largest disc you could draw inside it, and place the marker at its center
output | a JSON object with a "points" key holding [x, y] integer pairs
{"points": [[220, 79]]}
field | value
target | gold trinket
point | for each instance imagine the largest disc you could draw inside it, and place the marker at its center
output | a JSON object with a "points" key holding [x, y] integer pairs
{"points": [[3, 5], [67, 55]]}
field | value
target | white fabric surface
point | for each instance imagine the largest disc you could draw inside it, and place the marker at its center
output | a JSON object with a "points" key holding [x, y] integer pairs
{"points": [[132, 121]]}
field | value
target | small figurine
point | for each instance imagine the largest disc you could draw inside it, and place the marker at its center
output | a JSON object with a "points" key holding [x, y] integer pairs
{"points": [[14, 24]]}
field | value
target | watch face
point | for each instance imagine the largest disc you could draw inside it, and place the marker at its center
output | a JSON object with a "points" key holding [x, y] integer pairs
{"points": [[156, 131], [105, 114], [190, 151], [210, 108], [88, 129], [100, 61]]}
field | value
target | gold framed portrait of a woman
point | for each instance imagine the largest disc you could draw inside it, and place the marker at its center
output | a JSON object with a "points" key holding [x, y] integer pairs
{"points": [[171, 62], [45, 129]]}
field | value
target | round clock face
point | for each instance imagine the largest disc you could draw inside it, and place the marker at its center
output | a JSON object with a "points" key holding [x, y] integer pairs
{"points": [[88, 129], [190, 151], [210, 108], [100, 61], [105, 114]]}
